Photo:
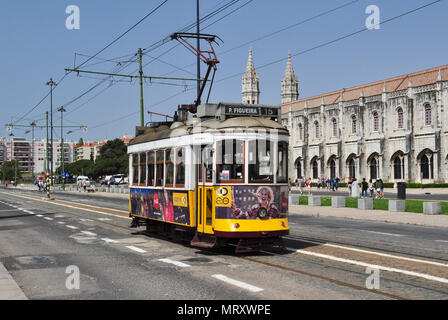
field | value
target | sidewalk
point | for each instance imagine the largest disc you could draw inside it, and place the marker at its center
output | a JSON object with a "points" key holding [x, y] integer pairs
{"points": [[9, 290], [372, 215], [386, 190]]}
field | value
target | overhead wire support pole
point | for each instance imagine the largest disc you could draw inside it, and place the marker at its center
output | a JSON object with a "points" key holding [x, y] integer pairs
{"points": [[140, 71]]}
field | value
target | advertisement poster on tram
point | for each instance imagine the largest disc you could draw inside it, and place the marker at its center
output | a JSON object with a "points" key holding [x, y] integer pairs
{"points": [[166, 205], [251, 202]]}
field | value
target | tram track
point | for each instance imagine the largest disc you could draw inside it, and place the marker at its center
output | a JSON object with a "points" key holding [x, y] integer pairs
{"points": [[251, 257]]}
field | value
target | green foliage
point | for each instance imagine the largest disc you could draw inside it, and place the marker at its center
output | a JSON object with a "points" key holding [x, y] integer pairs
{"points": [[113, 159], [80, 142], [8, 171]]}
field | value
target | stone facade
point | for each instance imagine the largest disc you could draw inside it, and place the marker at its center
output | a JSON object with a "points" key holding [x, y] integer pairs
{"points": [[394, 129]]}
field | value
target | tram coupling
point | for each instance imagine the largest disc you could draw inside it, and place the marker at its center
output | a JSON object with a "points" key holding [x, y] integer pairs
{"points": [[137, 222]]}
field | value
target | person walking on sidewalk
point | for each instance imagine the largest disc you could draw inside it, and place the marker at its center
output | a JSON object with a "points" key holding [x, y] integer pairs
{"points": [[371, 188], [364, 187], [309, 185], [301, 184], [349, 185]]}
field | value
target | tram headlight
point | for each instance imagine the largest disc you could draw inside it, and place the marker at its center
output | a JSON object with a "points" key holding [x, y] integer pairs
{"points": [[236, 225]]}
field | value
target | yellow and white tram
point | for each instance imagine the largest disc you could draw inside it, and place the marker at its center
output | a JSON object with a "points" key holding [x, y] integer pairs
{"points": [[214, 177]]}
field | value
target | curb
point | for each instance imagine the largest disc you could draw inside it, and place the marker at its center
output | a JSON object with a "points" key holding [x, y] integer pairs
{"points": [[9, 290]]}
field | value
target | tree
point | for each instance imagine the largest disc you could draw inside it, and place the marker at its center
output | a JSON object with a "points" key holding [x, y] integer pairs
{"points": [[113, 149], [80, 142], [8, 170]]}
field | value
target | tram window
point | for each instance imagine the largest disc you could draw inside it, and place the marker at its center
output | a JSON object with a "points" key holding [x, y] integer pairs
{"points": [[230, 161], [208, 163], [159, 167], [135, 169], [180, 167], [282, 169], [260, 161], [142, 165], [169, 179], [151, 165]]}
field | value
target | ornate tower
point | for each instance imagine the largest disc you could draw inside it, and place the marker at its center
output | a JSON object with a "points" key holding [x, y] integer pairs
{"points": [[290, 88], [250, 86]]}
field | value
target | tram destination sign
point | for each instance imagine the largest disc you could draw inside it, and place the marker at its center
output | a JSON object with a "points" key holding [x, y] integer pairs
{"points": [[254, 111]]}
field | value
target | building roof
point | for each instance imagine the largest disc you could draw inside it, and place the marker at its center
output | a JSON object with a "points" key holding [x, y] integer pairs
{"points": [[416, 79]]}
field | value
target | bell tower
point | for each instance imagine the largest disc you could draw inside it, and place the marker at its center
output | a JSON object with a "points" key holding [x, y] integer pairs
{"points": [[290, 87], [250, 85]]}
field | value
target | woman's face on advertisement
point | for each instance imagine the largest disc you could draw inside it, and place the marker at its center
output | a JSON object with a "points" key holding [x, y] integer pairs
{"points": [[264, 195]]}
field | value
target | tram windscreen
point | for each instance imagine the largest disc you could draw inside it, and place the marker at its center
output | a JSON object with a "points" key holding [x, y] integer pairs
{"points": [[260, 161], [230, 160]]}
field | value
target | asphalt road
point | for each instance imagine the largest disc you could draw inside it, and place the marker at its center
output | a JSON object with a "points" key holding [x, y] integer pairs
{"points": [[39, 240]]}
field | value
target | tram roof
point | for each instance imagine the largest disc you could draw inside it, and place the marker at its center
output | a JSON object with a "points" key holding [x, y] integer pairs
{"points": [[209, 118]]}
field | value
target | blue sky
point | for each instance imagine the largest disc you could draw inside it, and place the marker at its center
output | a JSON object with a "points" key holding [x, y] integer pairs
{"points": [[36, 45]]}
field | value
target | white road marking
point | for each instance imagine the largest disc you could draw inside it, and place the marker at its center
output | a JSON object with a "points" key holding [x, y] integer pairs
{"points": [[86, 220], [386, 234], [373, 252], [104, 219], [71, 227], [59, 216], [176, 263], [442, 240], [237, 283], [61, 222], [109, 240], [136, 249], [363, 264], [89, 233], [27, 211], [47, 218], [39, 215]]}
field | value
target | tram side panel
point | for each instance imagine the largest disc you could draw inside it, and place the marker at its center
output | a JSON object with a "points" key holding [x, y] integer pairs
{"points": [[173, 206]]}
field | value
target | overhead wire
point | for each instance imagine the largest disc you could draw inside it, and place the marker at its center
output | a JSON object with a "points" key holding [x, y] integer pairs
{"points": [[96, 54]]}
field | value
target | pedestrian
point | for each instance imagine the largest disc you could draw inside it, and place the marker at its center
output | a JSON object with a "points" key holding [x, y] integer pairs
{"points": [[337, 183], [301, 184], [84, 185], [108, 185], [319, 183], [364, 187], [349, 185], [381, 188], [309, 185], [297, 183], [371, 188]]}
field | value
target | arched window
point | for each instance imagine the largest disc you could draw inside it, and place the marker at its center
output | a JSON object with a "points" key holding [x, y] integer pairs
{"points": [[373, 168], [428, 114], [400, 118], [300, 131], [335, 127], [332, 169], [315, 166], [397, 168], [299, 169], [353, 124], [316, 127], [352, 168], [375, 121], [427, 167]]}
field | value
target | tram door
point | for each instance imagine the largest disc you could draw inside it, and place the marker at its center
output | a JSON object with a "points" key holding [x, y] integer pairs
{"points": [[205, 194]]}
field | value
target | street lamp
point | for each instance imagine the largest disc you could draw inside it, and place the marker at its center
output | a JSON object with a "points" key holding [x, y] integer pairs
{"points": [[33, 124], [15, 162], [62, 110], [52, 84]]}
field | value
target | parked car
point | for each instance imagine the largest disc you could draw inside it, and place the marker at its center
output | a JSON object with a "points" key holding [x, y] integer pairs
{"points": [[106, 180], [120, 179]]}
